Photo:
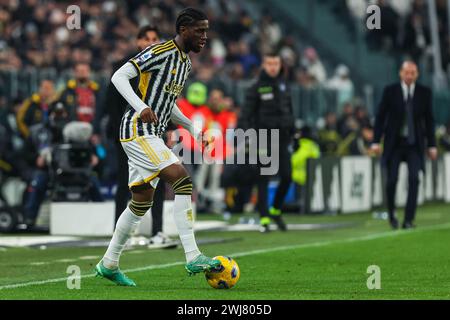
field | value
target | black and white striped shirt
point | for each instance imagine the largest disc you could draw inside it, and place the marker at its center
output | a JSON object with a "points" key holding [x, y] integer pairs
{"points": [[163, 70]]}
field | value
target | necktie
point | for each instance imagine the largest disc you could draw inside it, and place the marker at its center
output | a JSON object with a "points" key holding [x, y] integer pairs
{"points": [[410, 118]]}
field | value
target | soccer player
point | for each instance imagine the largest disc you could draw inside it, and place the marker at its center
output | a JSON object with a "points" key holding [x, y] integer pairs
{"points": [[162, 70]]}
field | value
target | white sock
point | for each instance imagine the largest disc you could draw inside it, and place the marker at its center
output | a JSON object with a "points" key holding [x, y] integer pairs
{"points": [[125, 227], [184, 221]]}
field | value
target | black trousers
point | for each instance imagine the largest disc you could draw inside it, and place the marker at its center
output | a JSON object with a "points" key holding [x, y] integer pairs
{"points": [[158, 206], [409, 154], [285, 174], [123, 193]]}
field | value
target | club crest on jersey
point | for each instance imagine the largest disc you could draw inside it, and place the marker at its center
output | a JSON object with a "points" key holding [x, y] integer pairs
{"points": [[173, 88]]}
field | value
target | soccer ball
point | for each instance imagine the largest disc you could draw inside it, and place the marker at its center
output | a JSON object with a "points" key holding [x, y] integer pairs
{"points": [[225, 276]]}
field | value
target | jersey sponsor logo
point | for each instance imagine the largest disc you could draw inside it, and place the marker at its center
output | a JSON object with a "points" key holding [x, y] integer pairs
{"points": [[173, 88]]}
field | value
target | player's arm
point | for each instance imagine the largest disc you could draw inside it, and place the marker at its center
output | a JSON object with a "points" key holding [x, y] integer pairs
{"points": [[380, 122], [179, 118], [121, 80]]}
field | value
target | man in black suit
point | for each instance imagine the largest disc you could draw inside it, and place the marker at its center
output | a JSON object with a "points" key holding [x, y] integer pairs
{"points": [[405, 119]]}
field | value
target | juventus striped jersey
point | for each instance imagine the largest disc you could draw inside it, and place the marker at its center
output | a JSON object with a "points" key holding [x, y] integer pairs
{"points": [[163, 70]]}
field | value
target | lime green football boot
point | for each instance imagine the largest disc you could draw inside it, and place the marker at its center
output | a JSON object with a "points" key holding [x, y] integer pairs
{"points": [[275, 214], [116, 276], [200, 264], [264, 223]]}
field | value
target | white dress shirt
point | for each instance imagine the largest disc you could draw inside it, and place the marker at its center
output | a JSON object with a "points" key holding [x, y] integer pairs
{"points": [[406, 90]]}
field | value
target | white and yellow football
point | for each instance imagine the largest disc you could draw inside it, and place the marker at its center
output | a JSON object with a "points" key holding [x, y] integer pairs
{"points": [[225, 276]]}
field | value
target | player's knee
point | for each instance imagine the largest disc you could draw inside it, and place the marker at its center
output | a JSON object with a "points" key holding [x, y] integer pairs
{"points": [[140, 208], [183, 186], [142, 188]]}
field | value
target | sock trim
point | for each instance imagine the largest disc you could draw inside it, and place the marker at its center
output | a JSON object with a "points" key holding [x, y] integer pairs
{"points": [[140, 208], [183, 186]]}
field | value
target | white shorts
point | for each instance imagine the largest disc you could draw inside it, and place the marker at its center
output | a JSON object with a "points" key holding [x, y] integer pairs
{"points": [[147, 156]]}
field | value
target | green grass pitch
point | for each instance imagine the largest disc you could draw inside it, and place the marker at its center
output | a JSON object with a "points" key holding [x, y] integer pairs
{"points": [[317, 264]]}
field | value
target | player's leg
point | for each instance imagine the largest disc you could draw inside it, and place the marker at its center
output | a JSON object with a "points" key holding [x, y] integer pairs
{"points": [[414, 164], [157, 209], [262, 183], [285, 174], [127, 223], [177, 176], [392, 169], [158, 238]]}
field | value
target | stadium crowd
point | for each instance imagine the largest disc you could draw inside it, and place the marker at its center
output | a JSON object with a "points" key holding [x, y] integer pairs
{"points": [[33, 35], [406, 26]]}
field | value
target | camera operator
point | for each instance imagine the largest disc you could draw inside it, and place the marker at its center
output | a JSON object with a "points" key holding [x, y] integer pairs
{"points": [[43, 138]]}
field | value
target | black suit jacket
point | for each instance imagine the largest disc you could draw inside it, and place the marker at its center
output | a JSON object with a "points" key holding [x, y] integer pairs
{"points": [[115, 104], [391, 116]]}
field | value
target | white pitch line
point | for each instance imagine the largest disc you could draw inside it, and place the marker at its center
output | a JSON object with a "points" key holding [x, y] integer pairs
{"points": [[248, 253], [88, 257], [64, 260]]}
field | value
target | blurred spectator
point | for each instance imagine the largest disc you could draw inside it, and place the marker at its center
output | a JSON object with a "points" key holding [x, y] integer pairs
{"points": [[357, 141], [360, 146], [342, 83], [357, 8], [314, 66], [347, 120], [386, 37], [362, 116], [329, 137], [270, 34], [194, 107], [35, 109], [80, 97], [304, 79], [289, 57], [247, 58], [305, 148], [209, 173], [416, 36]]}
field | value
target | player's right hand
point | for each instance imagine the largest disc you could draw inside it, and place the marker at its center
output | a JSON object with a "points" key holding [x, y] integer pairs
{"points": [[148, 116]]}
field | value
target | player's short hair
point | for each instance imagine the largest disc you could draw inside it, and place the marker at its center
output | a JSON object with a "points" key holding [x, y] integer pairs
{"points": [[143, 31], [188, 17]]}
